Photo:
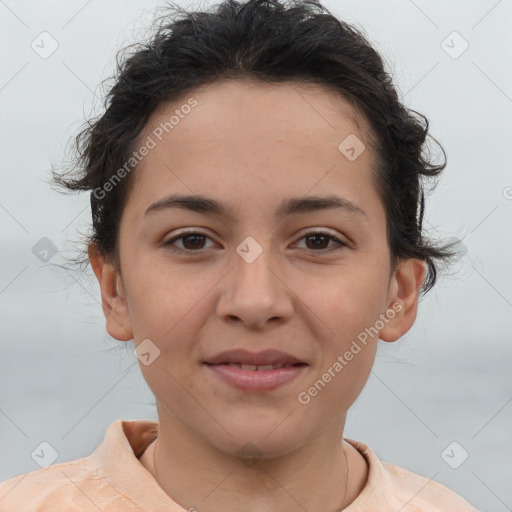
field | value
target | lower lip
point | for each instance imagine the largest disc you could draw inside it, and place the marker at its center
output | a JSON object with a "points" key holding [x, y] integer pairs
{"points": [[256, 380]]}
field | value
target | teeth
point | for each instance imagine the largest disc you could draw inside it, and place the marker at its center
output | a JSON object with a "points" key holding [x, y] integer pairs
{"points": [[263, 367]]}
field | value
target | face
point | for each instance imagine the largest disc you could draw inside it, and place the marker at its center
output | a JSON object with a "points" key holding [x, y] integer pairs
{"points": [[256, 275]]}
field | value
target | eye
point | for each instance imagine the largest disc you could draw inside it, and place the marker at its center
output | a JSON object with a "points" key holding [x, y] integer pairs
{"points": [[193, 241], [318, 240]]}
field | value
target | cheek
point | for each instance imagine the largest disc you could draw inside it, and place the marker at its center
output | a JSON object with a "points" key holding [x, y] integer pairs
{"points": [[341, 383], [347, 301], [162, 299], [344, 325], [172, 317]]}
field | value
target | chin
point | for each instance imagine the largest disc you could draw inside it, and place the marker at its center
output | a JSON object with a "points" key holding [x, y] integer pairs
{"points": [[255, 439]]}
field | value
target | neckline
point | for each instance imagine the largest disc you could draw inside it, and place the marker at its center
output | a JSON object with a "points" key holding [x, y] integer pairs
{"points": [[146, 459], [129, 439]]}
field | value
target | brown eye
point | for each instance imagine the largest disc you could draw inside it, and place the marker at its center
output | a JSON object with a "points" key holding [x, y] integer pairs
{"points": [[318, 241], [191, 242]]}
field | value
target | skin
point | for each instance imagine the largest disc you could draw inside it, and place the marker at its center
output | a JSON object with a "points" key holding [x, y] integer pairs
{"points": [[250, 145]]}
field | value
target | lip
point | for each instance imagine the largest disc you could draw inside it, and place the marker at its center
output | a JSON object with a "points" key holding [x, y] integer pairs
{"points": [[265, 357], [255, 380], [221, 365]]}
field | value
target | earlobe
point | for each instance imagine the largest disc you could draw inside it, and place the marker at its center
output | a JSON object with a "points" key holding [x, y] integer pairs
{"points": [[404, 289], [113, 299]]}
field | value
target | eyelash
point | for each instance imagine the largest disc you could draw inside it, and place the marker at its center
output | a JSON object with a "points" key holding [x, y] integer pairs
{"points": [[171, 241]]}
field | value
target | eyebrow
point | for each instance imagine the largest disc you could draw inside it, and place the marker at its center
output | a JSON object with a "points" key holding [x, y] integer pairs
{"points": [[291, 206]]}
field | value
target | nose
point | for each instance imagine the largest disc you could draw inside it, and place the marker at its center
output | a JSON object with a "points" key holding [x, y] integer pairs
{"points": [[255, 292]]}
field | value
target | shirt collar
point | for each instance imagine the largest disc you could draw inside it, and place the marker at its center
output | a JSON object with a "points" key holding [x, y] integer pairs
{"points": [[125, 441]]}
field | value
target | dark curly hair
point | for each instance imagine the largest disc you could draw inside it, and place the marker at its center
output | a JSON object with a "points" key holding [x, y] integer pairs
{"points": [[301, 42]]}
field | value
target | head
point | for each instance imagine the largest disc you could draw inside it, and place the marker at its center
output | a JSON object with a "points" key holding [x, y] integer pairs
{"points": [[270, 114]]}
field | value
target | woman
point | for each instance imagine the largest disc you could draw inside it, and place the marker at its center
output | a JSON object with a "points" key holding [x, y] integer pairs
{"points": [[257, 205]]}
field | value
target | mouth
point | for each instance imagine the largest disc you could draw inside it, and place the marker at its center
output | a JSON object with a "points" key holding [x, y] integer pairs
{"points": [[259, 368], [270, 359], [255, 372]]}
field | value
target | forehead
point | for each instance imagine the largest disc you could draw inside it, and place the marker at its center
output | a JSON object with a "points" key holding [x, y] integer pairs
{"points": [[240, 133], [287, 108]]}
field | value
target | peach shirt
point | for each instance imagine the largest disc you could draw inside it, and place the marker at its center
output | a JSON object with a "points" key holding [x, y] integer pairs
{"points": [[112, 479]]}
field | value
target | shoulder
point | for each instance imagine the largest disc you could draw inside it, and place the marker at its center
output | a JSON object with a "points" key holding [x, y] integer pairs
{"points": [[394, 487], [43, 488], [69, 486], [76, 485], [423, 494]]}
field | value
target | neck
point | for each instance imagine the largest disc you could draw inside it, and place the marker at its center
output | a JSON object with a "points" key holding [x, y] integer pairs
{"points": [[325, 475]]}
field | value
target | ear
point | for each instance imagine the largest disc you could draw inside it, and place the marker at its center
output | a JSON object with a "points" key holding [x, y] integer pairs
{"points": [[404, 290], [113, 299]]}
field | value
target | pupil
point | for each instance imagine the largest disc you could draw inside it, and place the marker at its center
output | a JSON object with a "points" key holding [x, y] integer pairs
{"points": [[323, 237], [196, 239]]}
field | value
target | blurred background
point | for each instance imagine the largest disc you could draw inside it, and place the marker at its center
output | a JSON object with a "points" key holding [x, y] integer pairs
{"points": [[438, 401]]}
